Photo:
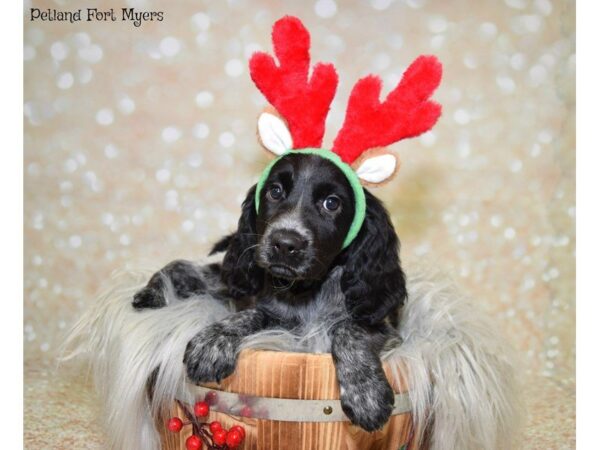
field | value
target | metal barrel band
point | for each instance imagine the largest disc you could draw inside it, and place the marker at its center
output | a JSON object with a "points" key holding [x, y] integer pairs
{"points": [[284, 409]]}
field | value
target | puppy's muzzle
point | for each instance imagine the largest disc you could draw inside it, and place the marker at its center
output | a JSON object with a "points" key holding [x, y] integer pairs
{"points": [[287, 252]]}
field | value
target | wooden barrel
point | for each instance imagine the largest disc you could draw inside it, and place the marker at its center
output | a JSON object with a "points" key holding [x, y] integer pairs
{"points": [[262, 377]]}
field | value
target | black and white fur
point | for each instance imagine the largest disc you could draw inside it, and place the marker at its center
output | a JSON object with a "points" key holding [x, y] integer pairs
{"points": [[288, 259], [459, 370]]}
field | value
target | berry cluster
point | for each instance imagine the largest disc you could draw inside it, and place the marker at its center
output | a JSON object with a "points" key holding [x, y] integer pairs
{"points": [[213, 435]]}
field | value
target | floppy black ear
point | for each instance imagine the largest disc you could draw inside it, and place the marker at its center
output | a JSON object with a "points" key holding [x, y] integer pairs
{"points": [[222, 244], [373, 281], [239, 271]]}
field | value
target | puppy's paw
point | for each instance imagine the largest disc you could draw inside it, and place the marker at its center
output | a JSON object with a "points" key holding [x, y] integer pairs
{"points": [[211, 355], [369, 406], [149, 297]]}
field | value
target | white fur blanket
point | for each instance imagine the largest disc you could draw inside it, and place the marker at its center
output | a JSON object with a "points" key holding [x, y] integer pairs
{"points": [[462, 379]]}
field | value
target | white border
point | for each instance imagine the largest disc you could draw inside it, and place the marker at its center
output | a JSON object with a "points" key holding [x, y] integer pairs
{"points": [[11, 235], [588, 224]]}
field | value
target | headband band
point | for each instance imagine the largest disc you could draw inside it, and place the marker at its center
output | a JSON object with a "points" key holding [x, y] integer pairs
{"points": [[360, 204]]}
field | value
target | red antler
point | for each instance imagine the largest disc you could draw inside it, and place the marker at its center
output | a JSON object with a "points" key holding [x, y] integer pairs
{"points": [[406, 112], [303, 103]]}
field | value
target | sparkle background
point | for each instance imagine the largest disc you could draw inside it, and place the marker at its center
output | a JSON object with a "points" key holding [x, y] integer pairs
{"points": [[140, 145]]}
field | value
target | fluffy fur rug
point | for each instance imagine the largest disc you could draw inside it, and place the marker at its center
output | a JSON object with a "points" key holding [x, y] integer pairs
{"points": [[462, 377]]}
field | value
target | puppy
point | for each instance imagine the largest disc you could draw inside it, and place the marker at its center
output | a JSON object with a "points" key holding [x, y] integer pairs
{"points": [[288, 263]]}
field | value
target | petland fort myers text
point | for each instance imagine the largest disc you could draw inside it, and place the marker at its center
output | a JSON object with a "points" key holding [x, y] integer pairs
{"points": [[96, 15]]}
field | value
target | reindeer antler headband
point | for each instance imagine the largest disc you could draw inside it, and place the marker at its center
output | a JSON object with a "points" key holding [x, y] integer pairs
{"points": [[302, 103]]}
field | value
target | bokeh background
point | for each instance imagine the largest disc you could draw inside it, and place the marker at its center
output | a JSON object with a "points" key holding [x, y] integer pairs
{"points": [[140, 145]]}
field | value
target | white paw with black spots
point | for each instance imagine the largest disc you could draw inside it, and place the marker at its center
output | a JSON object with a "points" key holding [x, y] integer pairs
{"points": [[368, 406], [211, 355]]}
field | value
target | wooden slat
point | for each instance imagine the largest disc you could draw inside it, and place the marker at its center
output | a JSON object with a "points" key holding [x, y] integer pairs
{"points": [[299, 376]]}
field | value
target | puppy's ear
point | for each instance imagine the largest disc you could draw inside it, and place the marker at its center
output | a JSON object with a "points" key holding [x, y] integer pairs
{"points": [[239, 272], [222, 245], [373, 282]]}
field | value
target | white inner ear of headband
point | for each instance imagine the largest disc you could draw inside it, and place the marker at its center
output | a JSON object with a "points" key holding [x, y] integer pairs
{"points": [[274, 134], [377, 169]]}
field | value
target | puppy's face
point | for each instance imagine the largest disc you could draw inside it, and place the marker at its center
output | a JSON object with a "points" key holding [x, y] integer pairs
{"points": [[306, 209]]}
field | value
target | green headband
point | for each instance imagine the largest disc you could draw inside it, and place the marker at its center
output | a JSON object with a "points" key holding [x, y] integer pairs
{"points": [[360, 204]]}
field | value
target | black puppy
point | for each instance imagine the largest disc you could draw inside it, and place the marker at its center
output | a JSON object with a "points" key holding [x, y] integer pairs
{"points": [[288, 260]]}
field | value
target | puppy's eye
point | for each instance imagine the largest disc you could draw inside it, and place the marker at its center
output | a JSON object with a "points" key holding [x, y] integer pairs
{"points": [[332, 203], [275, 192]]}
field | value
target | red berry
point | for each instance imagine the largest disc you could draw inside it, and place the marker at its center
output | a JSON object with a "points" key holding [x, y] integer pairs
{"points": [[175, 424], [193, 443], [234, 438], [220, 437], [201, 409], [239, 429], [211, 397], [215, 426], [246, 411]]}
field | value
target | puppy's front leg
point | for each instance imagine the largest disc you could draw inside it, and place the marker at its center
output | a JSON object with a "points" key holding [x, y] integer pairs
{"points": [[365, 394], [211, 354]]}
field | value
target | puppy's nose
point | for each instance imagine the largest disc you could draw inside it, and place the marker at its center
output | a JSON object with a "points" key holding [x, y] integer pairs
{"points": [[288, 242]]}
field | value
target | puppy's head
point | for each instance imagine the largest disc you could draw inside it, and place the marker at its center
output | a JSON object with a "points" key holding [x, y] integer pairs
{"points": [[305, 214], [306, 209]]}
